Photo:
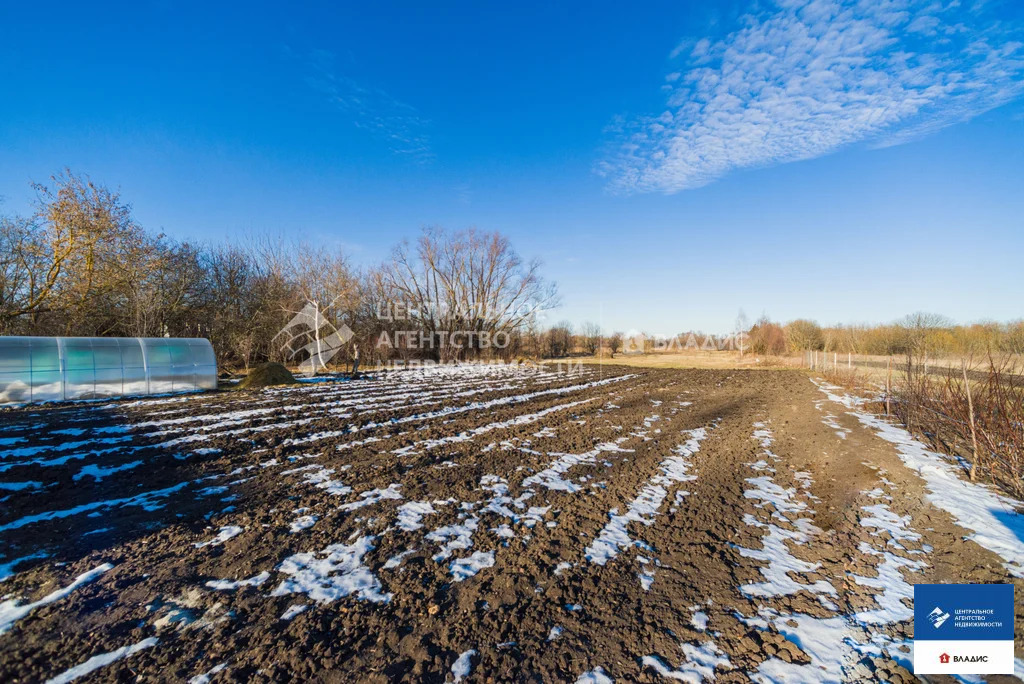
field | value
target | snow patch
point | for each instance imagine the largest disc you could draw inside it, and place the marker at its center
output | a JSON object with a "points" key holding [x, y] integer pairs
{"points": [[372, 497], [102, 660], [595, 676], [411, 514], [463, 665], [303, 522], [231, 585], [701, 663], [645, 506], [11, 610], [339, 573], [465, 568], [222, 536]]}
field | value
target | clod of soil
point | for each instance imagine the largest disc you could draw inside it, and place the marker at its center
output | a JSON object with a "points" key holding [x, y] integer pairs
{"points": [[267, 375]]}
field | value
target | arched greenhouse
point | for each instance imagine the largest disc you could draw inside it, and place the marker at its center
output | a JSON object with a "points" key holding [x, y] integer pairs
{"points": [[59, 368]]}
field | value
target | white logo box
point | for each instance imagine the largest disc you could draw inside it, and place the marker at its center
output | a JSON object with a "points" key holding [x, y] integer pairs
{"points": [[928, 654]]}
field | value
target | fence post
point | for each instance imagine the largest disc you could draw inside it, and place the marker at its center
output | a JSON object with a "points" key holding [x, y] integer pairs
{"points": [[970, 409], [849, 360], [888, 384]]}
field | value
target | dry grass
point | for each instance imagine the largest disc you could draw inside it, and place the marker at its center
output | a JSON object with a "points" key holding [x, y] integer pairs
{"points": [[978, 421], [694, 359], [854, 379]]}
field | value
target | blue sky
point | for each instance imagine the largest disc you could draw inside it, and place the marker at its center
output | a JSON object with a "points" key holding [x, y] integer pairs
{"points": [[670, 164]]}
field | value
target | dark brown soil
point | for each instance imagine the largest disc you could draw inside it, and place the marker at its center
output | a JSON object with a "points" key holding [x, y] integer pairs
{"points": [[148, 487]]}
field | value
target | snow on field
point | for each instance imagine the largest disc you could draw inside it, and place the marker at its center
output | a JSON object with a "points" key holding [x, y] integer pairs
{"points": [[146, 500], [551, 477], [322, 480], [225, 533], [410, 515], [303, 522], [204, 678], [293, 610], [463, 665], [453, 538], [20, 486], [644, 508], [895, 589], [993, 518], [835, 644], [785, 507], [372, 496], [97, 473], [231, 585], [13, 610], [7, 567], [396, 560], [28, 452], [471, 434], [339, 572], [882, 518], [465, 547], [826, 641], [699, 665], [595, 676], [102, 660], [780, 562], [465, 568]]}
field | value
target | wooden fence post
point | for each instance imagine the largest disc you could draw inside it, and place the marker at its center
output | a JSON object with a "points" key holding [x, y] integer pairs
{"points": [[888, 384], [970, 409]]}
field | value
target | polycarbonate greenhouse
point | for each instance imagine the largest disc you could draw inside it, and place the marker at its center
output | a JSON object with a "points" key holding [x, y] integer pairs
{"points": [[60, 368]]}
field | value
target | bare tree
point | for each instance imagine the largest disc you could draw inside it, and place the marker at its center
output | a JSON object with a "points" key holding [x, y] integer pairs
{"points": [[802, 335], [742, 326], [471, 285], [559, 340], [590, 333], [614, 343]]}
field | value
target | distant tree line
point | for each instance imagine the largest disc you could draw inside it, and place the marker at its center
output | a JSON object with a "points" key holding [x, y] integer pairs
{"points": [[81, 265], [919, 333]]}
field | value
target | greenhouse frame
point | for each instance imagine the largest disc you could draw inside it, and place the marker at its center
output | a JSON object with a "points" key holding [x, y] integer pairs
{"points": [[35, 369]]}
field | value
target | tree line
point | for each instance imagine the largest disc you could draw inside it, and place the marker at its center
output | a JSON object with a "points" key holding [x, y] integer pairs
{"points": [[81, 265], [918, 333]]}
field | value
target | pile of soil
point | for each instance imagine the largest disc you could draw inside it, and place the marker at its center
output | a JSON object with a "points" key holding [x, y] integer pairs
{"points": [[267, 375]]}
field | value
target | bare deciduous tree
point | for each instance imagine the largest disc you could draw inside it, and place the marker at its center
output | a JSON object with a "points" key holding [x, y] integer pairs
{"points": [[465, 282], [590, 333], [614, 343]]}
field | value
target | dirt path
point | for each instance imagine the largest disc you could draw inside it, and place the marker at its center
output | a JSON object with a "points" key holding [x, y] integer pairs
{"points": [[491, 524]]}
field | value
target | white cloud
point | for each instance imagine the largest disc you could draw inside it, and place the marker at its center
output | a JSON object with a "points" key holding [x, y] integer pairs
{"points": [[809, 77], [373, 110]]}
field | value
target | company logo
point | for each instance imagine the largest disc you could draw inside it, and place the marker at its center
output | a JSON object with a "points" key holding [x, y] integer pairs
{"points": [[946, 659], [311, 336], [634, 344], [963, 629], [937, 617]]}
